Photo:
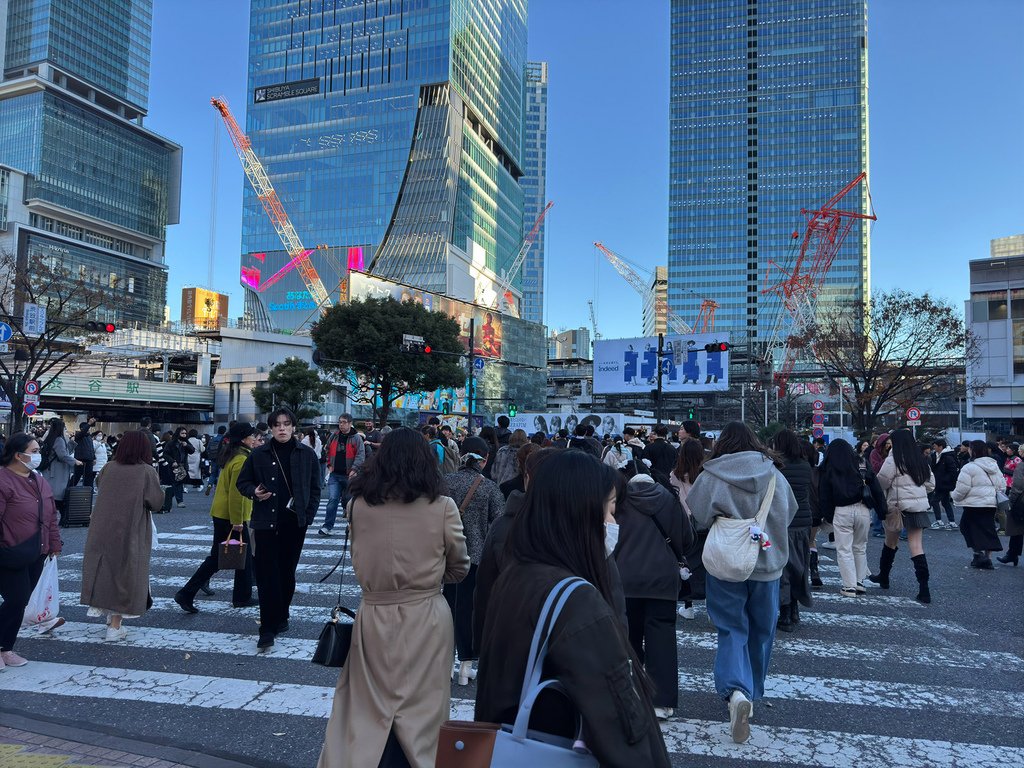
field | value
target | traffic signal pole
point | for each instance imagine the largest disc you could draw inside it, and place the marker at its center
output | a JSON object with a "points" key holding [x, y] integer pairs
{"points": [[657, 400], [472, 369]]}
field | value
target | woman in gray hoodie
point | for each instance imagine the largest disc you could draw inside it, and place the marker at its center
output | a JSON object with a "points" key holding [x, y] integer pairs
{"points": [[733, 483]]}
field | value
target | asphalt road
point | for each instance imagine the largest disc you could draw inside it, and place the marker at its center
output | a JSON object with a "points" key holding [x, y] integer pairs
{"points": [[873, 682]]}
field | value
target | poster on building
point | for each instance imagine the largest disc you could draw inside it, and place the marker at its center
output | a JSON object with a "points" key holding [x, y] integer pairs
{"points": [[550, 423], [630, 366], [488, 330], [447, 399]]}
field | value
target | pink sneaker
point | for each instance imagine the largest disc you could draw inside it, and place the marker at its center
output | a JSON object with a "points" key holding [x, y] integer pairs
{"points": [[11, 659]]}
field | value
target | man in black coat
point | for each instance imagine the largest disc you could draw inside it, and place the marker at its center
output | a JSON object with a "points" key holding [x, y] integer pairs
{"points": [[85, 452], [660, 452], [946, 469], [282, 477]]}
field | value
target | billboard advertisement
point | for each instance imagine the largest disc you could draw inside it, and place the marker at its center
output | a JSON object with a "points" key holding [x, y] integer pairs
{"points": [[488, 330], [630, 366], [550, 423]]}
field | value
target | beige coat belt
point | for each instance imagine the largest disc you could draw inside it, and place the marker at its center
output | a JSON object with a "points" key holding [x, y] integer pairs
{"points": [[397, 597]]}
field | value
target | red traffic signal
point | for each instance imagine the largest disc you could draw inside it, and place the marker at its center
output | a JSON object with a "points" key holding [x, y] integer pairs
{"points": [[718, 346], [98, 327], [426, 349]]}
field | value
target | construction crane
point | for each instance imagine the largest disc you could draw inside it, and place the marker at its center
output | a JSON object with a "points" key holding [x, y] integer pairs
{"points": [[257, 175], [504, 296], [593, 320], [827, 228], [705, 319]]}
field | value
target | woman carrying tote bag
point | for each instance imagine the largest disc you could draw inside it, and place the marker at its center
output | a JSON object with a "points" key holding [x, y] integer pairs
{"points": [[741, 481]]}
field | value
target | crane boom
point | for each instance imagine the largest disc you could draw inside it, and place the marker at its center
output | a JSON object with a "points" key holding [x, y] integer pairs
{"points": [[257, 175], [505, 280], [675, 322]]}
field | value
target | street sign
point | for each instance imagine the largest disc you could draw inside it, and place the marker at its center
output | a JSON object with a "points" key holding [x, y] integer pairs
{"points": [[818, 432], [913, 414], [913, 422], [645, 414], [33, 321], [31, 387], [32, 399], [30, 409], [408, 338], [5, 332], [819, 405], [4, 349], [817, 418], [478, 363]]}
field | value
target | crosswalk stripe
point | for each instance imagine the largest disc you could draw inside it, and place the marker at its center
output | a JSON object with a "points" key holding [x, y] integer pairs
{"points": [[189, 564], [297, 612], [312, 539], [768, 744]]}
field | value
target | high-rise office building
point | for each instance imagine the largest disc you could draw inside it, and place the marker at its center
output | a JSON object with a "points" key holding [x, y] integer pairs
{"points": [[535, 161], [393, 133], [89, 188], [768, 115], [655, 307], [572, 344]]}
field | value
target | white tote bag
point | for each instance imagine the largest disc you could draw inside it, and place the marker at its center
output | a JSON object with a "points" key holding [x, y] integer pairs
{"points": [[731, 550]]}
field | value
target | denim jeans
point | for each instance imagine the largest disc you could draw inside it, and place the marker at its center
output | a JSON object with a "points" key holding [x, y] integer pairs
{"points": [[744, 614], [337, 492]]}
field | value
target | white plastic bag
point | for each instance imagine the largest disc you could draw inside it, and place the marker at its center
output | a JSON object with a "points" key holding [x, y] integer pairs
{"points": [[44, 604]]}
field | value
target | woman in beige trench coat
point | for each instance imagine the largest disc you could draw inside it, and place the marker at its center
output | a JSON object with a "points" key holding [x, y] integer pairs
{"points": [[407, 540]]}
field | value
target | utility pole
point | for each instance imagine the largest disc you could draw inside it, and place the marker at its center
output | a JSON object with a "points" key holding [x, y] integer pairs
{"points": [[657, 399], [472, 368]]}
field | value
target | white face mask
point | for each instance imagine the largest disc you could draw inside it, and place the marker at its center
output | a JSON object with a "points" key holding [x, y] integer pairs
{"points": [[34, 460], [611, 537]]}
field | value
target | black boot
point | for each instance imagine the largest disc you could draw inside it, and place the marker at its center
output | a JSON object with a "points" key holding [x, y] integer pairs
{"points": [[815, 576], [884, 566], [921, 571], [1009, 559], [205, 588], [794, 612], [186, 600], [784, 624]]}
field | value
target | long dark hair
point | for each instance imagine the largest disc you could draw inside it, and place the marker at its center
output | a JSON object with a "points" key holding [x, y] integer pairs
{"points": [[788, 445], [908, 457], [841, 460], [55, 431], [979, 449], [737, 437], [562, 520], [404, 469], [689, 461], [17, 443]]}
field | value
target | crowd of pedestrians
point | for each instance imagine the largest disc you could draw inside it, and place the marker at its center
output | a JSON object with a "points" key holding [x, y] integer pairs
{"points": [[457, 541]]}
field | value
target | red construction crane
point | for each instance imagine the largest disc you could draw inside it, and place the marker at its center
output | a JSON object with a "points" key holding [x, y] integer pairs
{"points": [[257, 175], [504, 299], [827, 228]]}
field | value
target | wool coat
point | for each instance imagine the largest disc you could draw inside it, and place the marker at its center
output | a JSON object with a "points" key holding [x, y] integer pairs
{"points": [[1013, 528], [398, 672], [115, 566], [58, 471]]}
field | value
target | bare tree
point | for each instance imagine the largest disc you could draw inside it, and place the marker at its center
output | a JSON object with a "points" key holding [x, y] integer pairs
{"points": [[70, 303], [886, 355]]}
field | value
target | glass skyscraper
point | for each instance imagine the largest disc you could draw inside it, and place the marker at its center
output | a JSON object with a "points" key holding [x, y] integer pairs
{"points": [[98, 189], [534, 187], [768, 112], [393, 133]]}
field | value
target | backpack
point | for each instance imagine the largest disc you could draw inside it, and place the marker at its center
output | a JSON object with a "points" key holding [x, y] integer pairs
{"points": [[451, 460]]}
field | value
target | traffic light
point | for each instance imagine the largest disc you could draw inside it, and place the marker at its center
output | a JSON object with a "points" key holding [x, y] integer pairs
{"points": [[513, 409], [98, 327], [691, 413], [718, 346], [415, 344], [446, 407]]}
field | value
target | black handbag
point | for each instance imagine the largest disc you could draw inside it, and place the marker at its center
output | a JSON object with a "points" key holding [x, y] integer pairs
{"points": [[26, 552], [231, 556], [336, 637]]}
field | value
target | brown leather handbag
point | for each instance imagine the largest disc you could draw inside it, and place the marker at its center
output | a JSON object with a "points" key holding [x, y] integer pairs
{"points": [[465, 744]]}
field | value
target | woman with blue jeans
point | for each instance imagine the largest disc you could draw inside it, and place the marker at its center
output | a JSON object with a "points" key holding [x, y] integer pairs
{"points": [[733, 484]]}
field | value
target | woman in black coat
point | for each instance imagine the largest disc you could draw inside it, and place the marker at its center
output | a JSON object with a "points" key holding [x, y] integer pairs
{"points": [[795, 586], [566, 529]]}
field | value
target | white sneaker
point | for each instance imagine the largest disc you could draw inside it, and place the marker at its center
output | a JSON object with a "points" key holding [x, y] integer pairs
{"points": [[663, 713], [687, 613], [740, 709], [827, 545], [951, 526], [114, 635], [937, 526], [466, 672]]}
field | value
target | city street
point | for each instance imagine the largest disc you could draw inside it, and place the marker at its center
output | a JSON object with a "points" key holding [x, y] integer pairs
{"points": [[872, 682]]}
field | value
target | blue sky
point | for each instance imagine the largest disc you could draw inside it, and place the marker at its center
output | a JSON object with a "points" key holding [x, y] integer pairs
{"points": [[946, 100]]}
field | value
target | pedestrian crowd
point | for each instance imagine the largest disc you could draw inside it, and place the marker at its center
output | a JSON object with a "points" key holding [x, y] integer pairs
{"points": [[502, 557]]}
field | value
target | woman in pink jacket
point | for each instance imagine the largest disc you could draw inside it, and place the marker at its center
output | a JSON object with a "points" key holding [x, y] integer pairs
{"points": [[28, 535]]}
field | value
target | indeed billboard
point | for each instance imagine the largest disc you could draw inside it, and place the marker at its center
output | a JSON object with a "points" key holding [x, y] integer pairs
{"points": [[630, 366]]}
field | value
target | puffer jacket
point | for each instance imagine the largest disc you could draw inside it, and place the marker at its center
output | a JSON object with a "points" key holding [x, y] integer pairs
{"points": [[798, 474], [977, 484], [901, 492]]}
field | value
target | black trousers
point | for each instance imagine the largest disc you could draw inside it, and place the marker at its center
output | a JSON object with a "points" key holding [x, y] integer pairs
{"points": [[652, 633], [16, 587], [83, 473], [460, 600], [1016, 546], [242, 591], [274, 562], [942, 500]]}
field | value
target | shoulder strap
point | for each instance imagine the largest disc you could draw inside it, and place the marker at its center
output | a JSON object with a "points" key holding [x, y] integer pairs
{"points": [[344, 552], [549, 613], [665, 536], [766, 502], [469, 496]]}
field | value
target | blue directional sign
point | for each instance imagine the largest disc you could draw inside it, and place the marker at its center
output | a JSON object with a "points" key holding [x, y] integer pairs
{"points": [[478, 363], [5, 333]]}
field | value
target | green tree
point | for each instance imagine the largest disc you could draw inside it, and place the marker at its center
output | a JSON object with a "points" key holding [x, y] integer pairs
{"points": [[365, 337], [295, 385]]}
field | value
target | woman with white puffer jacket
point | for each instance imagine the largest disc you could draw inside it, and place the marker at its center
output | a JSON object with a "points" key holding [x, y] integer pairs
{"points": [[975, 491]]}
